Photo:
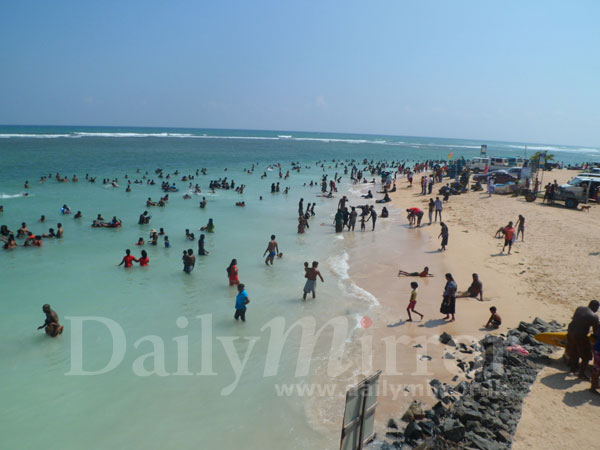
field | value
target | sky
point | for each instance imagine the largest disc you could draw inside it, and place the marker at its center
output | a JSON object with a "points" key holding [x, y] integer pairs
{"points": [[524, 71]]}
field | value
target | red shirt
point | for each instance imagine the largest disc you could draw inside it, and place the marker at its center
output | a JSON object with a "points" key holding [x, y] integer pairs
{"points": [[509, 233], [415, 210], [129, 260], [144, 261]]}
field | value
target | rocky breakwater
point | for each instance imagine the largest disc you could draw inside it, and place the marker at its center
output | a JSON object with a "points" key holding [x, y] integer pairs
{"points": [[482, 413]]}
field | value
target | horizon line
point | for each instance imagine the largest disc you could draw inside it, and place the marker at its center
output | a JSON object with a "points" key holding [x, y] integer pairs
{"points": [[295, 131]]}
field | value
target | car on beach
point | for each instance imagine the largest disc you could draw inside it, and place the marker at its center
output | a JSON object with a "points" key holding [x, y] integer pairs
{"points": [[499, 176]]}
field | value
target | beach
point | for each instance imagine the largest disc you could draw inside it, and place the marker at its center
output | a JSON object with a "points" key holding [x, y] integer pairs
{"points": [[78, 275], [547, 276]]}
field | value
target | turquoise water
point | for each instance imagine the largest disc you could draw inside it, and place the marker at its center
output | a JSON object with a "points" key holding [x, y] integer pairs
{"points": [[78, 276]]}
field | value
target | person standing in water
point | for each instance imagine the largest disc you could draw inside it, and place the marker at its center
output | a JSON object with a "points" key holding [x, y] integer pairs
{"points": [[311, 274], [233, 273], [413, 301], [241, 301], [272, 250], [144, 260], [128, 259], [201, 250], [210, 227], [189, 261], [372, 217], [52, 326]]}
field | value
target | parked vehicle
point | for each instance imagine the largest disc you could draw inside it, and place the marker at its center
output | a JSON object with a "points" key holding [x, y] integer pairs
{"points": [[478, 164], [500, 177], [498, 163], [578, 190]]}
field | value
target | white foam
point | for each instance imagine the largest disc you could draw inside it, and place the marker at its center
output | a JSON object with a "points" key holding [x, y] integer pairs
{"points": [[361, 293], [339, 265], [36, 136], [22, 194]]}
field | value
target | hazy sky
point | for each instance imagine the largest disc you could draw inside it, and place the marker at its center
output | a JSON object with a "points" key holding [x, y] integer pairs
{"points": [[506, 70]]}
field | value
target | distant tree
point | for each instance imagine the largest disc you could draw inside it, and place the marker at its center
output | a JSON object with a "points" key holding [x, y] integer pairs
{"points": [[536, 157]]}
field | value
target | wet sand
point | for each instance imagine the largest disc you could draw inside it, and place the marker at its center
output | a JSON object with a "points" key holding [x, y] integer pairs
{"points": [[548, 275]]}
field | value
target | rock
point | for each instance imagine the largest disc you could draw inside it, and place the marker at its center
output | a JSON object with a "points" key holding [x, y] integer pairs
{"points": [[481, 443], [429, 444], [542, 325], [453, 430], [446, 339], [503, 436], [413, 431], [392, 424], [414, 412], [462, 387], [435, 382], [448, 355], [394, 434], [427, 427], [427, 357], [417, 346], [439, 409]]}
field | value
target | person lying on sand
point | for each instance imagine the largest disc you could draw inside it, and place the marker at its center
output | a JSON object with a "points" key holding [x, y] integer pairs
{"points": [[423, 274]]}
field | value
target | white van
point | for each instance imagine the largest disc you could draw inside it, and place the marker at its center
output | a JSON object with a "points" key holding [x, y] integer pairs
{"points": [[499, 163], [478, 164]]}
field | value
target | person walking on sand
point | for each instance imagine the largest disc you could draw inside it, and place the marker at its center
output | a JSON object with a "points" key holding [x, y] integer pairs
{"points": [[413, 302], [444, 234], [521, 228], [448, 306], [509, 234], [241, 301], [311, 274], [491, 186], [51, 325], [438, 209], [272, 250]]}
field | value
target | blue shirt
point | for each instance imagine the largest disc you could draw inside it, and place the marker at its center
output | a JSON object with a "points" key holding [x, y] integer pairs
{"points": [[240, 301]]}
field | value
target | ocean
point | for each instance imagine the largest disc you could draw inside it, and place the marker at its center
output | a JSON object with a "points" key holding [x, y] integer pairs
{"points": [[183, 373]]}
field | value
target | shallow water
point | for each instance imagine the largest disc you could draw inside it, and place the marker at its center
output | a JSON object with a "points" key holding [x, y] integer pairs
{"points": [[78, 276]]}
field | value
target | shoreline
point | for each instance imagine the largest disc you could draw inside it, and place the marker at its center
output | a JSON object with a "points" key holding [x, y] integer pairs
{"points": [[533, 291]]}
